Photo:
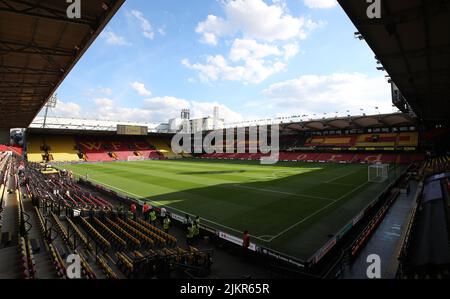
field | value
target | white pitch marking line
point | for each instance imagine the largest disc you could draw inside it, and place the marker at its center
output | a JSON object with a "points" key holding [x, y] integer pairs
{"points": [[342, 176], [317, 212], [282, 192]]}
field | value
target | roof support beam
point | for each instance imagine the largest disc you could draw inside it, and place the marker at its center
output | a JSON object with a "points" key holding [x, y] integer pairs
{"points": [[441, 50], [32, 48], [21, 70]]}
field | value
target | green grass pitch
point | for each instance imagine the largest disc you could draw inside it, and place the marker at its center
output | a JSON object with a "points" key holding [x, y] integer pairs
{"points": [[291, 207]]}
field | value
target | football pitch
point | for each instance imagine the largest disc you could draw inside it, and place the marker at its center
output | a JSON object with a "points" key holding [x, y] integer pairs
{"points": [[291, 207]]}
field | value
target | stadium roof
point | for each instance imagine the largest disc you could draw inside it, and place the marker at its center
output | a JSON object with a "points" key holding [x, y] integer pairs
{"points": [[412, 41], [302, 123], [353, 122], [39, 45], [80, 125]]}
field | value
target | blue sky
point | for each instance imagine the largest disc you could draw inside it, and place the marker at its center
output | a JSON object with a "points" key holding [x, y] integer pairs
{"points": [[252, 58]]}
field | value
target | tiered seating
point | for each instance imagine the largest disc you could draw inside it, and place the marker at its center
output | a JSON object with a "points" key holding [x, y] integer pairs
{"points": [[162, 145], [87, 270], [106, 149], [125, 263], [410, 139], [132, 242], [101, 241], [109, 273], [143, 238], [117, 241], [438, 164], [142, 224], [157, 238], [331, 141], [27, 260], [80, 235], [377, 140], [77, 197], [336, 157], [57, 260], [11, 148], [94, 150], [34, 148], [62, 148]]}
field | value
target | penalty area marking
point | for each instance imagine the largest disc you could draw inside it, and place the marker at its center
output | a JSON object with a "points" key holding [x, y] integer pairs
{"points": [[318, 211], [282, 192], [341, 176]]}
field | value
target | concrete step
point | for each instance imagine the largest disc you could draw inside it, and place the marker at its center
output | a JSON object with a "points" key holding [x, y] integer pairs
{"points": [[10, 267]]}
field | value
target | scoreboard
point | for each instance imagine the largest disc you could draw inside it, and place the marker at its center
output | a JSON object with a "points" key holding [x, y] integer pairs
{"points": [[131, 130]]}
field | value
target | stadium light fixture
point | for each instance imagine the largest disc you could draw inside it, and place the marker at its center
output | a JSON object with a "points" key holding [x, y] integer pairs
{"points": [[380, 68], [358, 35]]}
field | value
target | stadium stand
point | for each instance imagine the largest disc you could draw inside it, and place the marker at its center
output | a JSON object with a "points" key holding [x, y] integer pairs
{"points": [[426, 249], [50, 200], [376, 140], [34, 147], [331, 141], [61, 148], [92, 149], [400, 158], [163, 146]]}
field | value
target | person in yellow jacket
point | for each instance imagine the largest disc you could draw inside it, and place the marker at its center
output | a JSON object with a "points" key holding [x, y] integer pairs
{"points": [[153, 217], [166, 224], [189, 235]]}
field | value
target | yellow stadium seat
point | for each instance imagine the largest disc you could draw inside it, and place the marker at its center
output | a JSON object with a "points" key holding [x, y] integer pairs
{"points": [[34, 152], [62, 148], [163, 146]]}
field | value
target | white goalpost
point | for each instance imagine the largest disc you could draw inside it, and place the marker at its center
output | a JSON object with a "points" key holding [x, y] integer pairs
{"points": [[135, 158], [378, 172]]}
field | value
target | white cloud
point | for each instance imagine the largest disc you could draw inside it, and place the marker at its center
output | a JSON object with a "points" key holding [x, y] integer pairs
{"points": [[248, 62], [103, 102], [155, 109], [146, 26], [140, 88], [265, 37], [290, 50], [251, 71], [330, 93], [320, 3], [244, 49], [114, 39], [64, 109], [254, 19], [162, 31]]}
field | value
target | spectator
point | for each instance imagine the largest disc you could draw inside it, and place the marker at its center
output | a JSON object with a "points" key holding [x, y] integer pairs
{"points": [[245, 243], [189, 235], [133, 210], [153, 217], [162, 215], [145, 211], [166, 224], [188, 222]]}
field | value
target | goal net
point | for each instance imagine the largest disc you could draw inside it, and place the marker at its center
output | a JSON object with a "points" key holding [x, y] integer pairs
{"points": [[378, 172], [135, 158]]}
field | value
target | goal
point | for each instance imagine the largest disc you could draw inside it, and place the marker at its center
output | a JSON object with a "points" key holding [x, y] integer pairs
{"points": [[378, 172], [135, 158]]}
